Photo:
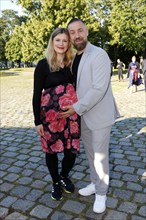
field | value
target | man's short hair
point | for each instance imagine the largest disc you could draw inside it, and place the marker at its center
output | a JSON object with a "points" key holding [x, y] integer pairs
{"points": [[74, 20]]}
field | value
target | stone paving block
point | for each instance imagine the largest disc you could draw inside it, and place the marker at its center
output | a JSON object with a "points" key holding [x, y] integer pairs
{"points": [[73, 206], [135, 158], [41, 212], [140, 198], [125, 169], [111, 202], [78, 175], [14, 169], [2, 173], [4, 166], [142, 211], [23, 205], [20, 191], [47, 200], [34, 195], [11, 177], [16, 216], [10, 154], [20, 163], [8, 201], [121, 161], [130, 177], [24, 180], [115, 215], [27, 172], [90, 215], [135, 217], [128, 207], [3, 212], [137, 164], [134, 186], [116, 183], [116, 155], [123, 194], [34, 159], [5, 187], [61, 216], [23, 157], [141, 172], [31, 165], [115, 175], [131, 152], [38, 175], [39, 184]]}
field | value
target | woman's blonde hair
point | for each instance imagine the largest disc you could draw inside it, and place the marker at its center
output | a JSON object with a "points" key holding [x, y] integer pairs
{"points": [[51, 55]]}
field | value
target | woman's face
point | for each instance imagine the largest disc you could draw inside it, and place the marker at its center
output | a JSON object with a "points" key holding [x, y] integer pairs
{"points": [[61, 43]]}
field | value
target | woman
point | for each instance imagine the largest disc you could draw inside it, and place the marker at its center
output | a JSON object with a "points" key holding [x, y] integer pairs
{"points": [[133, 70], [53, 90]]}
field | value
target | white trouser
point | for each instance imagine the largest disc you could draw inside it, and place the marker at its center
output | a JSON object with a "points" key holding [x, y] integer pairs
{"points": [[96, 145]]}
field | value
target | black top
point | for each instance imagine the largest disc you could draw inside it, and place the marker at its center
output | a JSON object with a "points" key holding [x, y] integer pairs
{"points": [[44, 79], [75, 67]]}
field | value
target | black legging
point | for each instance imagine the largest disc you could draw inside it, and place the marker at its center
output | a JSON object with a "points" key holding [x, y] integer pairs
{"points": [[67, 164]]}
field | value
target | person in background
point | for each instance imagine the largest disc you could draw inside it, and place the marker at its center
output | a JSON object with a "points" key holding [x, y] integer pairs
{"points": [[144, 67], [134, 71], [96, 105], [120, 66], [53, 90]]}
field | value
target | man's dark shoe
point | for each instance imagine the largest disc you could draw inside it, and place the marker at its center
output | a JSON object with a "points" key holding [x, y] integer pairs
{"points": [[56, 191], [67, 185]]}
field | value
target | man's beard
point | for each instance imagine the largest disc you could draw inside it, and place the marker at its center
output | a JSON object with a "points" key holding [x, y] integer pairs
{"points": [[81, 46]]}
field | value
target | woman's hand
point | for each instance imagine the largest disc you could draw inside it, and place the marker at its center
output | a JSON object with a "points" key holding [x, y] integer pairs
{"points": [[40, 130]]}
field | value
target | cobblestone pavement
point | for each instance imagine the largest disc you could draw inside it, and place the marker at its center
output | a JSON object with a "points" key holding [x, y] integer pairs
{"points": [[25, 182]]}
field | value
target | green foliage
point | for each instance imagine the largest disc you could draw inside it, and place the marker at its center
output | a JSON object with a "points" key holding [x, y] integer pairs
{"points": [[13, 46], [127, 23]]}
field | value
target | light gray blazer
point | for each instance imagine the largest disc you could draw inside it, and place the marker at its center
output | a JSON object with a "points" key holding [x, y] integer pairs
{"points": [[96, 103]]}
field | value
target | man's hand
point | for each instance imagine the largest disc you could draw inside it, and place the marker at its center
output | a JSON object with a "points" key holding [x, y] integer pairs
{"points": [[40, 130], [69, 110]]}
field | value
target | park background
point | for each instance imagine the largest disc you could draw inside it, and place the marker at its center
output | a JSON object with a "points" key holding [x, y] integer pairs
{"points": [[119, 27]]}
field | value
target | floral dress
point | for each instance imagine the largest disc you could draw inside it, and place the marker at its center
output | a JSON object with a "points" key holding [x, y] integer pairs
{"points": [[52, 92]]}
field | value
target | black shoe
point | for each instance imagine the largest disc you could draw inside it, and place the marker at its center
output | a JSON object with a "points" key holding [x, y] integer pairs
{"points": [[56, 191], [67, 185]]}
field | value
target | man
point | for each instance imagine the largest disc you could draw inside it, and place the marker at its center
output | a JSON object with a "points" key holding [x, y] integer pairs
{"points": [[96, 106], [144, 68], [120, 66]]}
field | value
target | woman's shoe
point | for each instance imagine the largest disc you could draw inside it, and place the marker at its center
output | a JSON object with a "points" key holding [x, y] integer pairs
{"points": [[56, 191], [67, 185]]}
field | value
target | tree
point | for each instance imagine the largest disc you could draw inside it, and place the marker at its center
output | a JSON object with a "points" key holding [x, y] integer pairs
{"points": [[14, 45], [44, 16], [127, 24], [8, 21]]}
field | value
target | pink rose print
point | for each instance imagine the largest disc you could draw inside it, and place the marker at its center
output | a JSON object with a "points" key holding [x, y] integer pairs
{"points": [[61, 124], [59, 89], [47, 135], [51, 115], [45, 99], [76, 144], [70, 89], [66, 100], [68, 144], [74, 128], [74, 117], [57, 126], [66, 133], [53, 126], [57, 147]]}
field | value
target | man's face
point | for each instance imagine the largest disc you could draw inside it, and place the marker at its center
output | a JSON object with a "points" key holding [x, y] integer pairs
{"points": [[78, 33]]}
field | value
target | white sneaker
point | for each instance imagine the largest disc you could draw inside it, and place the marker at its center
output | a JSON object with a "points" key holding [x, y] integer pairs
{"points": [[99, 204], [88, 190]]}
